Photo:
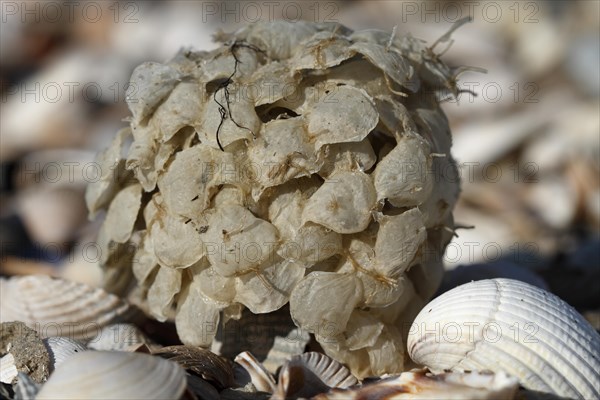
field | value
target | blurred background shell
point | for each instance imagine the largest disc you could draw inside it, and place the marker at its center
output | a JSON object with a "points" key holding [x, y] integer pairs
{"points": [[57, 307]]}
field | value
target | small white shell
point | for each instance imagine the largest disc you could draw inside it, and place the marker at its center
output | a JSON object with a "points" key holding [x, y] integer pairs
{"points": [[8, 369], [56, 307], [115, 375], [503, 324], [62, 348], [284, 347]]}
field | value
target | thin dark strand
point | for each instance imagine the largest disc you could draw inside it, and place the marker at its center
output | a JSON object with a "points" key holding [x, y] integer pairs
{"points": [[223, 111]]}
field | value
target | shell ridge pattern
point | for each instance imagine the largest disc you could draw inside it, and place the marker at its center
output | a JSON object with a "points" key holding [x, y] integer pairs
{"points": [[546, 378], [490, 318]]}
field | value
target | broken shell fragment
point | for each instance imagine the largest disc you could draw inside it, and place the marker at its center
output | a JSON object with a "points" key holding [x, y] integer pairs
{"points": [[507, 325], [424, 385], [201, 362], [8, 369]]}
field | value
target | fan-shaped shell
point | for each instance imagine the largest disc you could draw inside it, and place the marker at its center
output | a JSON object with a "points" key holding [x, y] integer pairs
{"points": [[62, 348], [56, 307], [503, 324], [312, 373], [115, 375]]}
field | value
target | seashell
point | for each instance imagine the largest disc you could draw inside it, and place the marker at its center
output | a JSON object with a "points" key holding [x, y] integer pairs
{"points": [[423, 385], [258, 375], [56, 307], [311, 373], [118, 337], [511, 326], [25, 388], [203, 363], [52, 214], [62, 348], [115, 375], [8, 369], [284, 347]]}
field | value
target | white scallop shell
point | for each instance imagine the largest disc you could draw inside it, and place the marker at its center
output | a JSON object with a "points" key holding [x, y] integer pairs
{"points": [[56, 307], [61, 348], [503, 324], [115, 375]]}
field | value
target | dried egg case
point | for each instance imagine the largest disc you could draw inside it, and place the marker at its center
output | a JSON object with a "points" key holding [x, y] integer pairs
{"points": [[298, 163]]}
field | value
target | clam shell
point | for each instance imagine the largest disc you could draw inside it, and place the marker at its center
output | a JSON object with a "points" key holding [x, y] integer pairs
{"points": [[503, 324], [311, 373], [115, 375], [62, 348], [119, 337], [423, 385], [56, 307]]}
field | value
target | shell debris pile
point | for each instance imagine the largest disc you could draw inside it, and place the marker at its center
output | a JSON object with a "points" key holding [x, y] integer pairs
{"points": [[298, 163]]}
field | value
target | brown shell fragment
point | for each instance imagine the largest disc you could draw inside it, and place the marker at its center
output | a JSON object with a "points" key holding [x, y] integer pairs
{"points": [[201, 362]]}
